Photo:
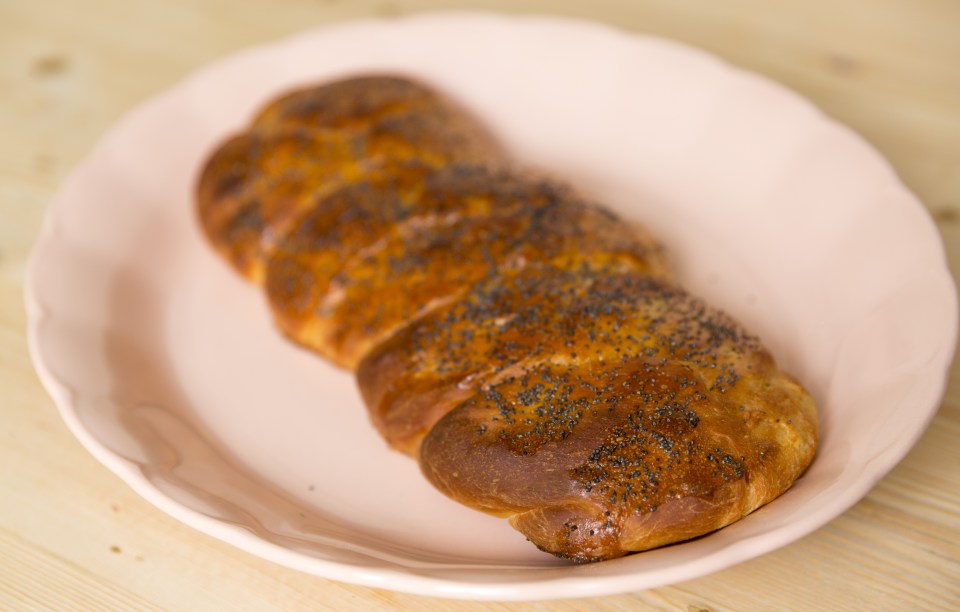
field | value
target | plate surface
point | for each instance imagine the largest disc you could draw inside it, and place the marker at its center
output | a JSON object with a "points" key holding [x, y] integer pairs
{"points": [[165, 364]]}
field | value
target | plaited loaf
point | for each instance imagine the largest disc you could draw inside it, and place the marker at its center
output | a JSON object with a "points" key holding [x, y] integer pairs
{"points": [[528, 347]]}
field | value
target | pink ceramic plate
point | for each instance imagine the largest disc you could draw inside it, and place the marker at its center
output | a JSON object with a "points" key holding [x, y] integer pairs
{"points": [[166, 366]]}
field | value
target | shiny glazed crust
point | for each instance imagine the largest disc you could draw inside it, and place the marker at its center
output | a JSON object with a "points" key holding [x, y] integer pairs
{"points": [[527, 346]]}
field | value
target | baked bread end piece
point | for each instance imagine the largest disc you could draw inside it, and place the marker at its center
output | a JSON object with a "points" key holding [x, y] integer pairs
{"points": [[594, 459]]}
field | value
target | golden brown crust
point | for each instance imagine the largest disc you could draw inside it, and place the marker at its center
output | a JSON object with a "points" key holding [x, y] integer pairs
{"points": [[309, 143], [612, 451], [526, 346], [374, 268]]}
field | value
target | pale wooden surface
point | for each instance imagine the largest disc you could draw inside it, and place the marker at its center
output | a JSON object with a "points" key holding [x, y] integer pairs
{"points": [[72, 536]]}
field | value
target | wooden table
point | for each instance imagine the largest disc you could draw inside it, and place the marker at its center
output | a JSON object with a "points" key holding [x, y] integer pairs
{"points": [[72, 536]]}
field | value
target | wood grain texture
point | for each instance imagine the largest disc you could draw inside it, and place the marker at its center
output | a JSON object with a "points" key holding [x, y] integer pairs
{"points": [[72, 536]]}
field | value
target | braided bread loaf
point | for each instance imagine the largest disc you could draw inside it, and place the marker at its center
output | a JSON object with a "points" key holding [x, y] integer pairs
{"points": [[529, 348]]}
